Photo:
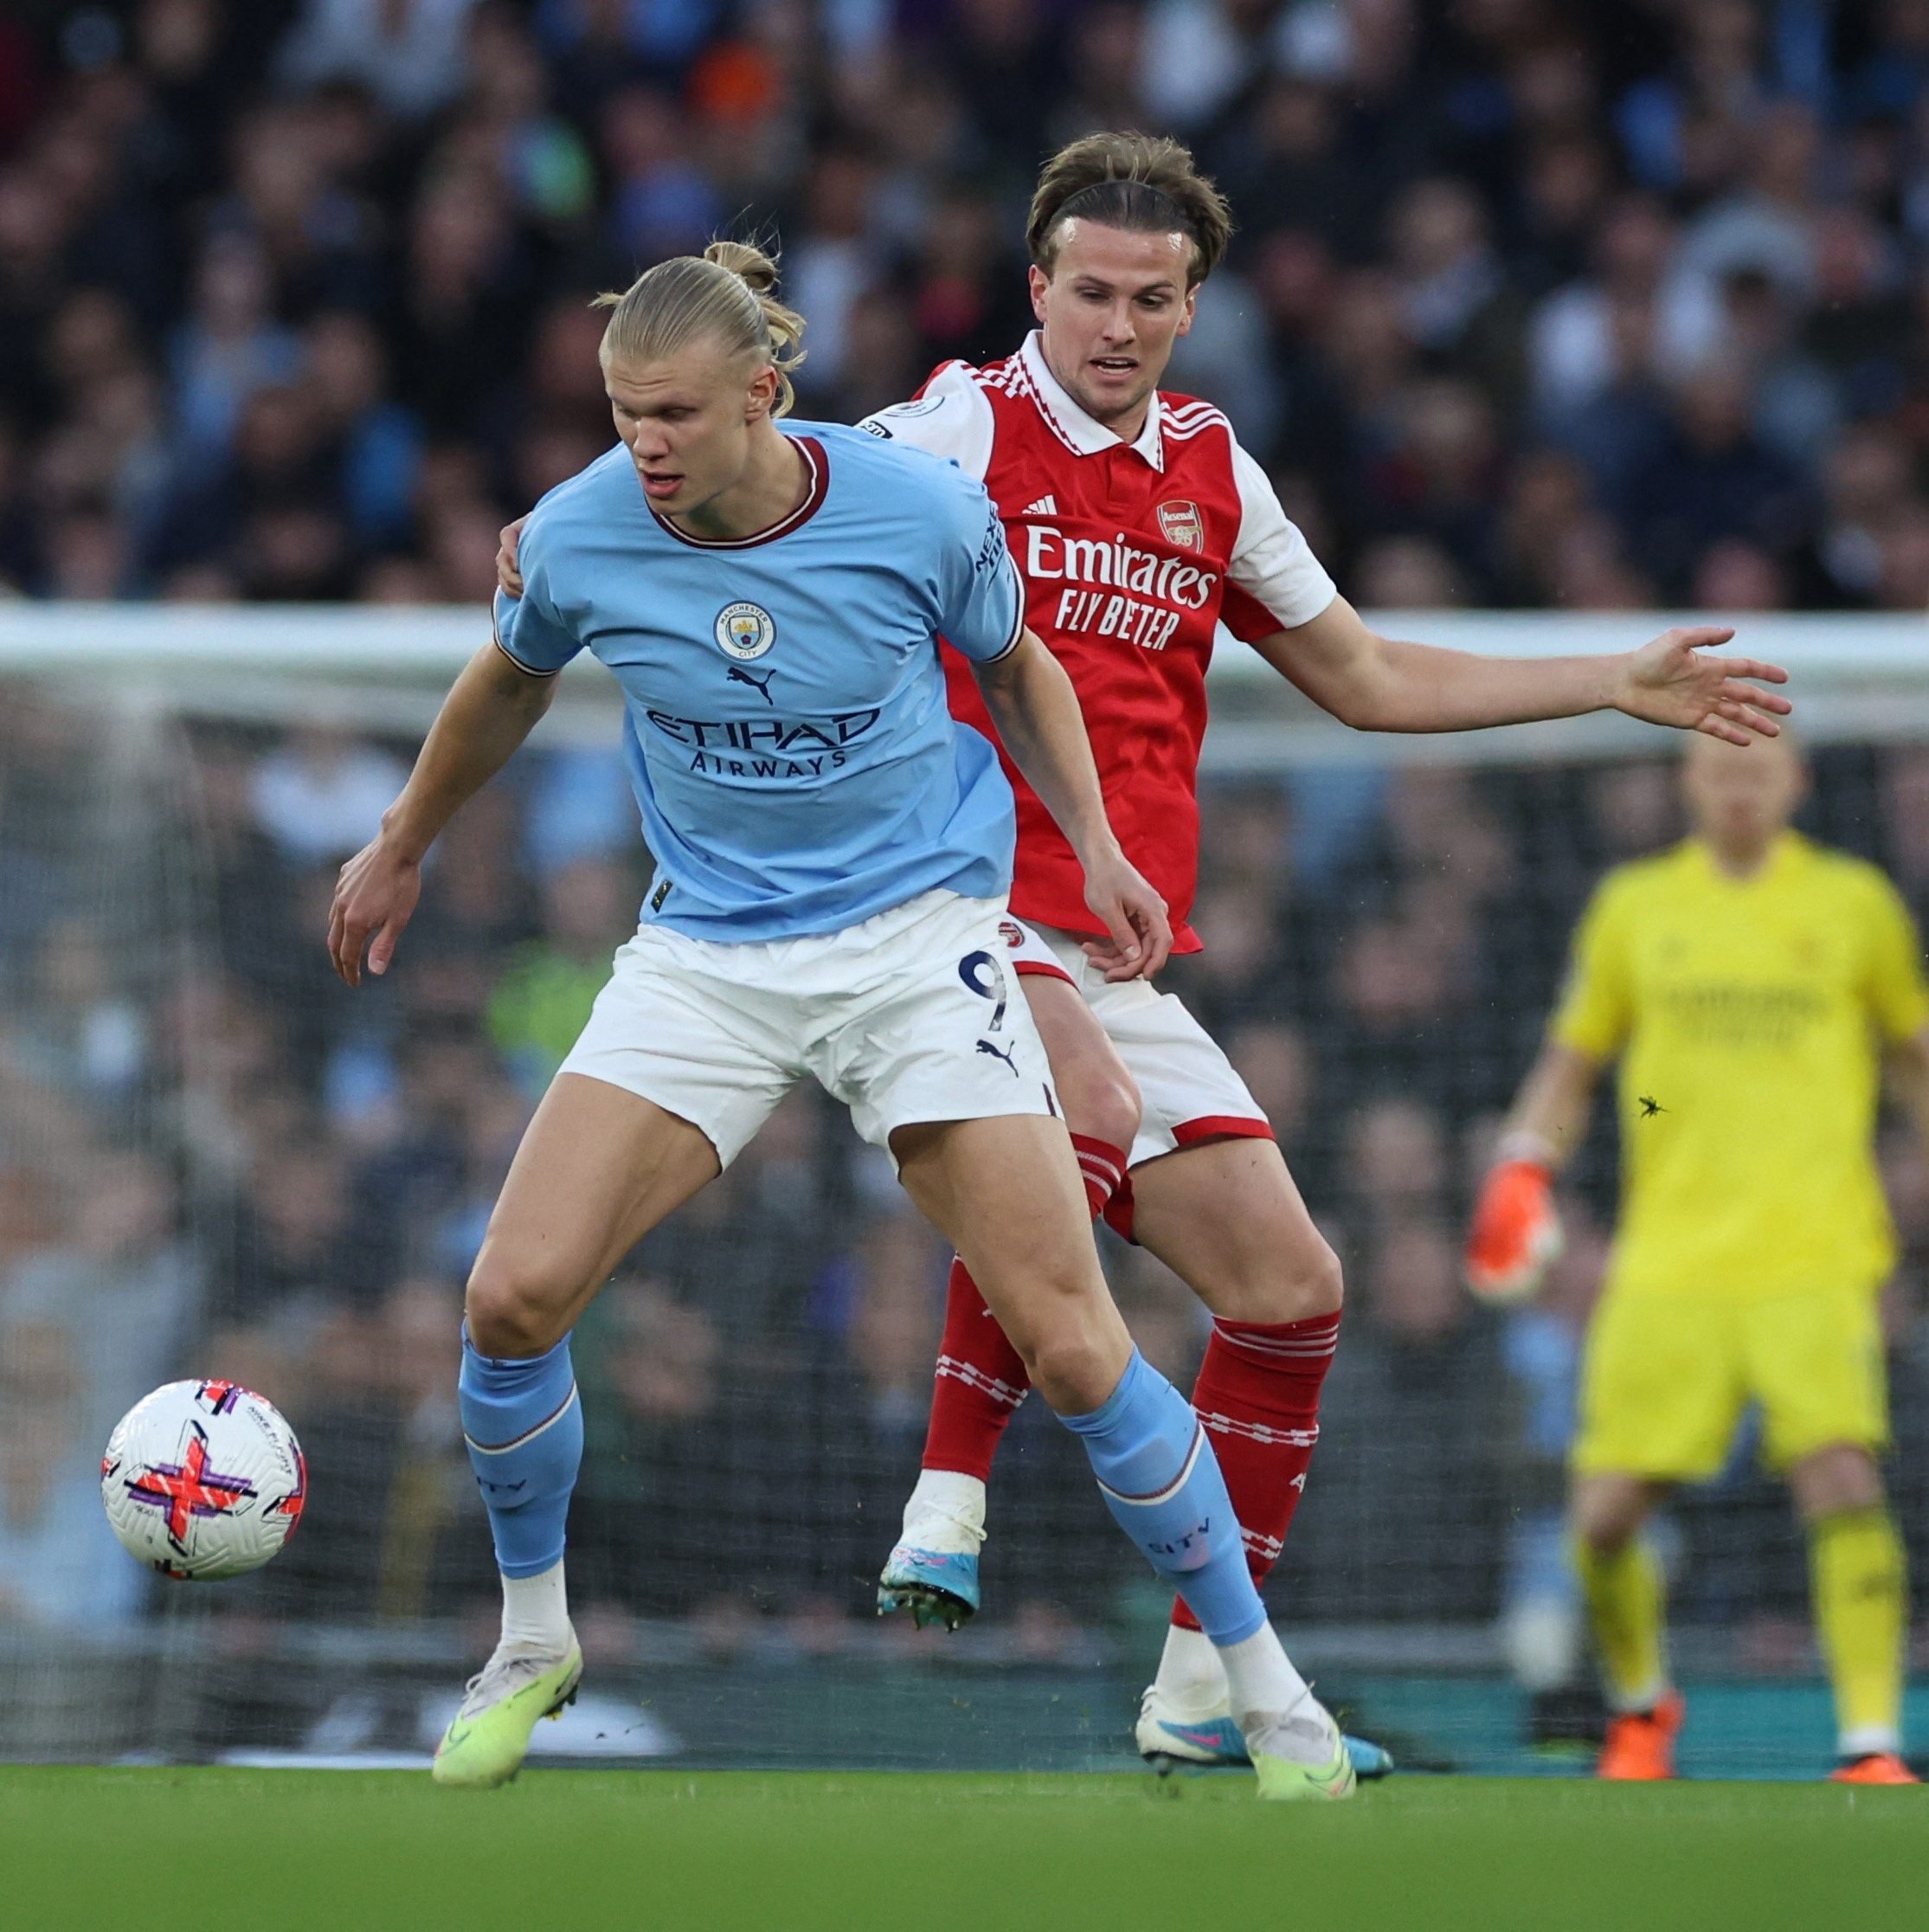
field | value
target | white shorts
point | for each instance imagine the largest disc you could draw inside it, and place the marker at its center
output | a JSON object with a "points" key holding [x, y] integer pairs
{"points": [[1188, 1089], [913, 1015]]}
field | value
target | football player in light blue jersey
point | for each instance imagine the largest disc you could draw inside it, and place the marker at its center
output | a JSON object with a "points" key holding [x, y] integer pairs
{"points": [[834, 854]]}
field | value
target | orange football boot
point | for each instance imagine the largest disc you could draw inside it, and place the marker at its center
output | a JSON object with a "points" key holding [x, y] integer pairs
{"points": [[1879, 1768], [1641, 1744]]}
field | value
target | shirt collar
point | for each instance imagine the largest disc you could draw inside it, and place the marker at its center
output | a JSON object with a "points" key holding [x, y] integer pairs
{"points": [[1077, 430]]}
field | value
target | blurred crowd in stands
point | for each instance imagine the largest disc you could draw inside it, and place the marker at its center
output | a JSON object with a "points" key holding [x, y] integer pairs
{"points": [[1592, 303], [215, 1159]]}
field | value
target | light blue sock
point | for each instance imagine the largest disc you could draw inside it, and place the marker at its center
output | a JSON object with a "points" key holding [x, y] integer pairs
{"points": [[1161, 1479], [522, 1422]]}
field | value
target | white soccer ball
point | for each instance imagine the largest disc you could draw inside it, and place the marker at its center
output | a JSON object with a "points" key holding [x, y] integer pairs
{"points": [[203, 1480]]}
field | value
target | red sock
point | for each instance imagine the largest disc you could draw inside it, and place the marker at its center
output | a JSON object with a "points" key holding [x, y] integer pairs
{"points": [[1259, 1396], [980, 1380]]}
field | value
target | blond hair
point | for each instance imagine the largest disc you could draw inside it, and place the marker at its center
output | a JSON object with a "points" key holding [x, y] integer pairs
{"points": [[724, 295], [1143, 184]]}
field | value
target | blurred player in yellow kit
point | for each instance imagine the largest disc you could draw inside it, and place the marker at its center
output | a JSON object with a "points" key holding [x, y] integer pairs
{"points": [[1753, 985]]}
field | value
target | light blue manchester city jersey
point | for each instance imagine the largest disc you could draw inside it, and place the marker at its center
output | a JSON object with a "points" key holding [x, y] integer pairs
{"points": [[787, 737]]}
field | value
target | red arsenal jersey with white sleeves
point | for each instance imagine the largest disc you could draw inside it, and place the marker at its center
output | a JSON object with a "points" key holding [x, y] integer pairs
{"points": [[1132, 554]]}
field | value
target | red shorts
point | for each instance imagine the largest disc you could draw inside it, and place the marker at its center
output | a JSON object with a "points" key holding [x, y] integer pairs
{"points": [[1188, 1091]]}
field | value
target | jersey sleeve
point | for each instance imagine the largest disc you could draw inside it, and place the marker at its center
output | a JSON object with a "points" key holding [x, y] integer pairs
{"points": [[529, 632], [1897, 998], [1595, 1013], [949, 417], [981, 602], [1274, 582]]}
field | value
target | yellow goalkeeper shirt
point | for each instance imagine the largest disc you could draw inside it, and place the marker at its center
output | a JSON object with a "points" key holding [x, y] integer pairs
{"points": [[1750, 1016]]}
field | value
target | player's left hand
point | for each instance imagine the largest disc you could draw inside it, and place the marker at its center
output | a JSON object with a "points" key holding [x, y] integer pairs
{"points": [[374, 898], [1132, 913], [509, 577], [1670, 681]]}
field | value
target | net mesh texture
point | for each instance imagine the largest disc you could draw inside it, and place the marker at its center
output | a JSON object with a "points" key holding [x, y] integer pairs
{"points": [[216, 1160]]}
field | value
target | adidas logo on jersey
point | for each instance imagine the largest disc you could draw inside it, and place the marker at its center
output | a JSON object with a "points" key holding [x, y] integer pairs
{"points": [[1045, 506]]}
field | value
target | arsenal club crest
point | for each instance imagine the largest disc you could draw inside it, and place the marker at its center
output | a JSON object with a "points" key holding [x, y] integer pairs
{"points": [[1183, 525]]}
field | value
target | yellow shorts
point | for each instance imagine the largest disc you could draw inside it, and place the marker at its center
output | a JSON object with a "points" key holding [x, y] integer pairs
{"points": [[1665, 1380]]}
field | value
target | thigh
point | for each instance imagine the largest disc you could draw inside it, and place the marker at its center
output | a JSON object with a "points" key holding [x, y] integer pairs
{"points": [[1663, 1383], [1094, 1084], [934, 1029], [598, 1168], [1816, 1364], [1189, 1092], [1227, 1218]]}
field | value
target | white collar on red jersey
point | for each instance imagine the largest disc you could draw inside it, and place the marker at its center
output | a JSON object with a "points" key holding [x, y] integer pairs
{"points": [[1081, 433]]}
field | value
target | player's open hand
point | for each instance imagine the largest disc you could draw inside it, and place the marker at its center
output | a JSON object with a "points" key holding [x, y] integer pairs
{"points": [[1132, 913], [374, 898], [1674, 681], [509, 578]]}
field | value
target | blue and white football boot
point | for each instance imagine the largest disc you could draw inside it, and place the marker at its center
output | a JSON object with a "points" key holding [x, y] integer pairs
{"points": [[933, 1572], [1166, 1738]]}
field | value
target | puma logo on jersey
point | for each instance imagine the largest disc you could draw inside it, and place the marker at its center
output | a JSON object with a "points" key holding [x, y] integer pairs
{"points": [[1002, 1053], [1045, 506]]}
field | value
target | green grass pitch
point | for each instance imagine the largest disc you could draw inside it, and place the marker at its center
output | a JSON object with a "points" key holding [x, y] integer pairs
{"points": [[158, 1850]]}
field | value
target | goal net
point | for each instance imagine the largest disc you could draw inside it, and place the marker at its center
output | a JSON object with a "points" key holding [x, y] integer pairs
{"points": [[215, 1160]]}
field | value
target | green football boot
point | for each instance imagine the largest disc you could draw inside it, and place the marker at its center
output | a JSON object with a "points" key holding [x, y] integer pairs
{"points": [[488, 1737], [1299, 1757]]}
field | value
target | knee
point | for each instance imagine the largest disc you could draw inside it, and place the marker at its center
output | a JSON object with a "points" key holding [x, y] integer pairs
{"points": [[1075, 1371], [1604, 1517], [1296, 1283], [513, 1313], [1841, 1480], [1104, 1103], [1314, 1282]]}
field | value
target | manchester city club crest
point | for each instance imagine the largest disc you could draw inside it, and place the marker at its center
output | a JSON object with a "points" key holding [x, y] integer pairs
{"points": [[745, 631], [1182, 524]]}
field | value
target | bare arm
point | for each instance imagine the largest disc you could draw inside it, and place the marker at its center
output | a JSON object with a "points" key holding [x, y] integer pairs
{"points": [[1381, 684], [1907, 1064], [1036, 711], [1548, 1120], [491, 708]]}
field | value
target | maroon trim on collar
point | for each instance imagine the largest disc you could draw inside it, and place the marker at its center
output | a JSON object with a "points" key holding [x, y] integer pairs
{"points": [[817, 459]]}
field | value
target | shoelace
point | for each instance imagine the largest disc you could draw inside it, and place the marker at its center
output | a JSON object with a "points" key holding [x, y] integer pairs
{"points": [[500, 1669], [1280, 1719]]}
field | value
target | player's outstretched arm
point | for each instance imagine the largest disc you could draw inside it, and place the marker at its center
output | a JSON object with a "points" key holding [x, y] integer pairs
{"points": [[1036, 711], [1515, 1235], [1382, 684], [491, 708]]}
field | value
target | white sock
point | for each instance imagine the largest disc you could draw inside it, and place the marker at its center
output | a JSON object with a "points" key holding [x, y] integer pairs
{"points": [[1191, 1679], [536, 1612], [1261, 1675], [1868, 1737], [946, 1513]]}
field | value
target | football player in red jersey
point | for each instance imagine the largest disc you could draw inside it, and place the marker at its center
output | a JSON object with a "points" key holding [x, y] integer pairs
{"points": [[1139, 526]]}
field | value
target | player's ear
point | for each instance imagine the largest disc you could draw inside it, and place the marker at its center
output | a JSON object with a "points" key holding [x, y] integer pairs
{"points": [[762, 399], [1040, 281], [1188, 310]]}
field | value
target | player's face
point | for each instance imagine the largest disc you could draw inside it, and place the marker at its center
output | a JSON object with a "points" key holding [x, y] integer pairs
{"points": [[687, 421], [1737, 800], [1111, 309]]}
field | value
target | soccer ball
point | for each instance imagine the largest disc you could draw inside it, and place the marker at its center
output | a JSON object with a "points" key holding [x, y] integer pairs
{"points": [[203, 1480]]}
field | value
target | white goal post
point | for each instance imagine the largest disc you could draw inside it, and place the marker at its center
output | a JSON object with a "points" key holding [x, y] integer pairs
{"points": [[1856, 676]]}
